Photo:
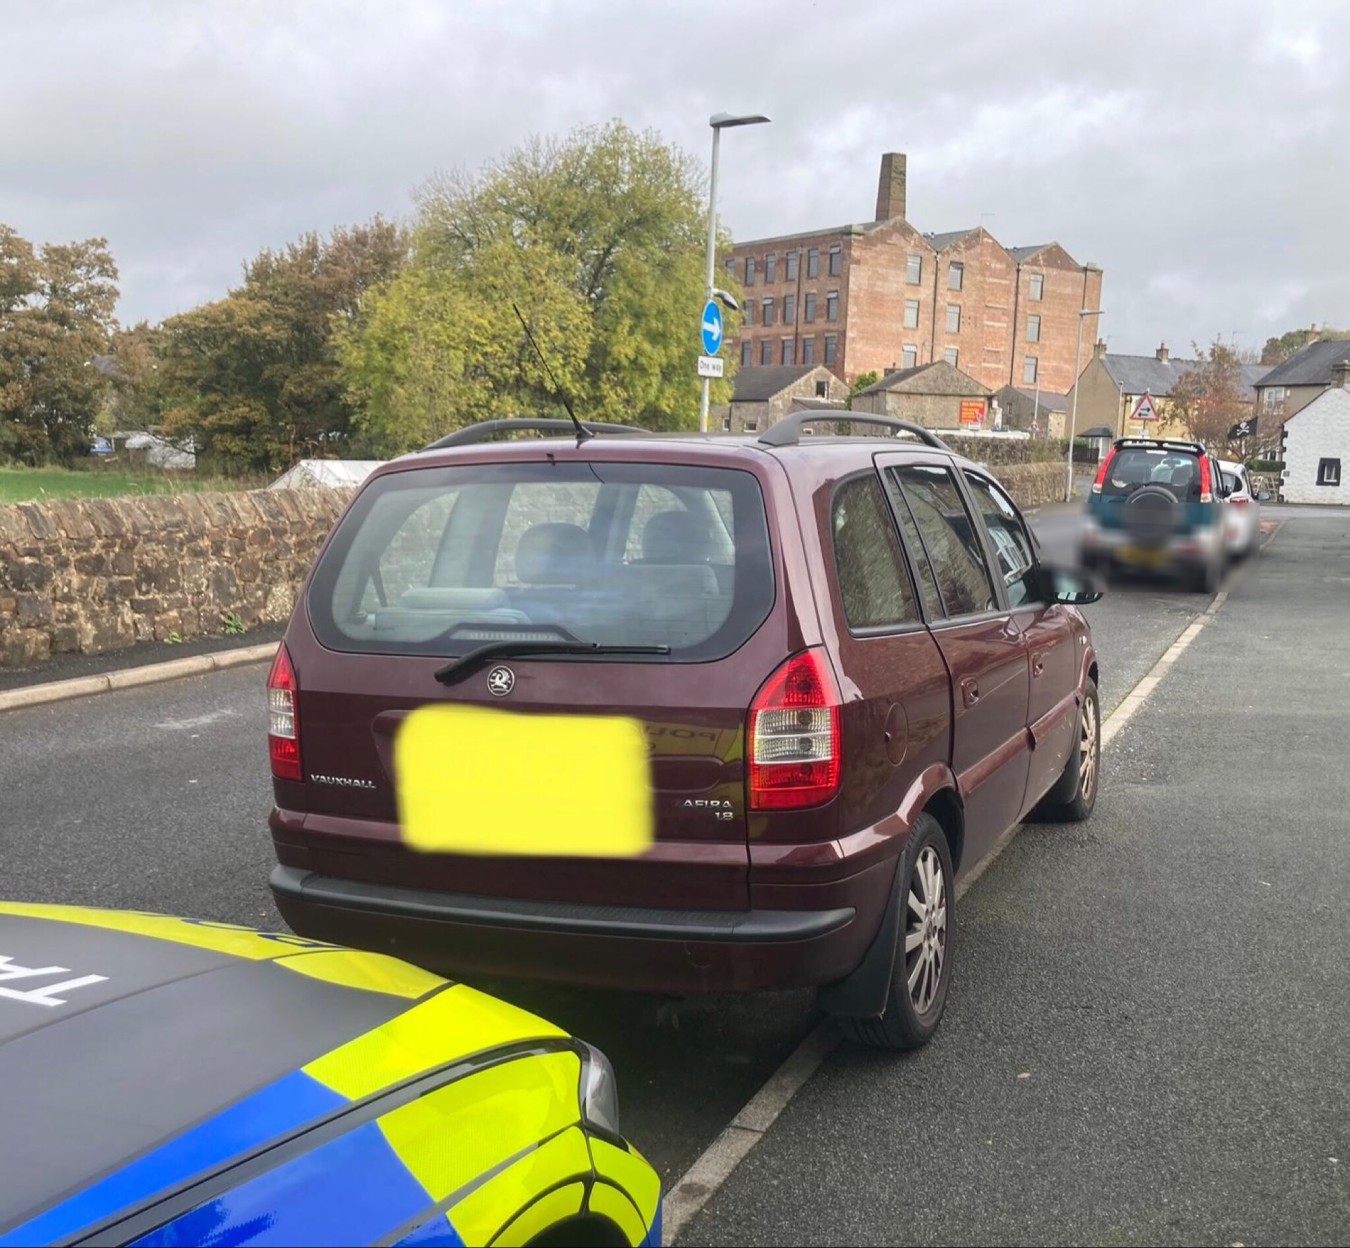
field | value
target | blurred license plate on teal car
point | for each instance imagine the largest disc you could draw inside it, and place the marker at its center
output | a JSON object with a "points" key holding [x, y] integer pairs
{"points": [[1142, 555]]}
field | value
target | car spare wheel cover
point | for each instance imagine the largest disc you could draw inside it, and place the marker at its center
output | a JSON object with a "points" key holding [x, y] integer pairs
{"points": [[1151, 515]]}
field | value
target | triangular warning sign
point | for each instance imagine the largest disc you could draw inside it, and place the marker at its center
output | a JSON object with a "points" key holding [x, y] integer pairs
{"points": [[1144, 409]]}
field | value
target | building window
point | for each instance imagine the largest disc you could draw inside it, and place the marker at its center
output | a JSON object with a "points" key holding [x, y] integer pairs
{"points": [[836, 259], [953, 318], [731, 266], [832, 306], [914, 270], [909, 358], [749, 311], [792, 266], [951, 355], [1037, 287], [766, 310], [956, 276], [770, 268], [831, 348], [747, 350], [751, 426], [813, 262], [911, 314], [808, 350], [766, 351], [1272, 398], [749, 270], [1328, 472], [789, 353], [822, 389], [809, 310], [1033, 329], [789, 309], [726, 424], [1029, 369]]}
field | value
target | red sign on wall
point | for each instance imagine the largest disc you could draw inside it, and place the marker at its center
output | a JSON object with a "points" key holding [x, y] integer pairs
{"points": [[972, 411]]}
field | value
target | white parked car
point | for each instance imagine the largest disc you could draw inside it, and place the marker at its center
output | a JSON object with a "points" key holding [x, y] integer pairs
{"points": [[1242, 513]]}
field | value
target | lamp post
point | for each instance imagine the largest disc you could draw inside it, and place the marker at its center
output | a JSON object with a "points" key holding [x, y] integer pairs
{"points": [[1036, 407], [1073, 417], [718, 122]]}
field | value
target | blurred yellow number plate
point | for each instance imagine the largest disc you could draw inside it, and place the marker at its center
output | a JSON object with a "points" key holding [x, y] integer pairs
{"points": [[476, 781]]}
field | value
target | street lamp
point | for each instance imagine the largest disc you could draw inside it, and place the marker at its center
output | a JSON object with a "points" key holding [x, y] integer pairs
{"points": [[1073, 417], [718, 122]]}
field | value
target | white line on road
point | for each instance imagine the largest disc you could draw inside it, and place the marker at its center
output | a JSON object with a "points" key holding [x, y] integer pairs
{"points": [[714, 1167]]}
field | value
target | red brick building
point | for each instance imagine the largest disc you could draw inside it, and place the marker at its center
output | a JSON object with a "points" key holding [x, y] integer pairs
{"points": [[881, 296]]}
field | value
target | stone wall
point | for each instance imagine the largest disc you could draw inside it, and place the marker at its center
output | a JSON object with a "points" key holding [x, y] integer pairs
{"points": [[86, 576], [1031, 485]]}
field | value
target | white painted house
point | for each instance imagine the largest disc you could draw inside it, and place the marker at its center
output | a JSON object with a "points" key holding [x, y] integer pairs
{"points": [[1317, 451]]}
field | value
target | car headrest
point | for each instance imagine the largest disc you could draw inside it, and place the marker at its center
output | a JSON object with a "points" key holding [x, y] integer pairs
{"points": [[676, 537], [555, 554]]}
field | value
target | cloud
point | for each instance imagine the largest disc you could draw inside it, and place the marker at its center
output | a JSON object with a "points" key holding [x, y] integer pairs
{"points": [[1193, 151]]}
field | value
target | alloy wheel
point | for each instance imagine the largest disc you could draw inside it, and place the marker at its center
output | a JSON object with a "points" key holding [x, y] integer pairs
{"points": [[926, 930]]}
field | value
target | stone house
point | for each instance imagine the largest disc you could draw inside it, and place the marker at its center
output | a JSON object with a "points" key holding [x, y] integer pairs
{"points": [[1020, 409], [765, 395], [930, 395], [1316, 448], [1290, 387]]}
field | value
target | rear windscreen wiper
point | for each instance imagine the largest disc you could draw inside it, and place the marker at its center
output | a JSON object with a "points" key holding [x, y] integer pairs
{"points": [[457, 669]]}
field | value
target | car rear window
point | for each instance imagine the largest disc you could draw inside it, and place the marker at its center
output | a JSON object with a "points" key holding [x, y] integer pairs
{"points": [[1135, 467], [439, 560]]}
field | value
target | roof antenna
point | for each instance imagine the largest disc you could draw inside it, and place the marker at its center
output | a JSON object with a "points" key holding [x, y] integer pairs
{"points": [[582, 432]]}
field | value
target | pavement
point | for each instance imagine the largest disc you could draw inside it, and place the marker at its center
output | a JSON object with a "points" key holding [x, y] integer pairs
{"points": [[1145, 1041]]}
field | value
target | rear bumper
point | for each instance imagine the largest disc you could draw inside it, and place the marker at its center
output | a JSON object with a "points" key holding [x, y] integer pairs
{"points": [[603, 946], [1184, 550]]}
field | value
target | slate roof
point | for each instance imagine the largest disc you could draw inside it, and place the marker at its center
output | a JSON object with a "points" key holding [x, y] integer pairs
{"points": [[892, 379], [1310, 367], [758, 383], [1146, 374], [1025, 253], [1050, 402], [940, 242]]}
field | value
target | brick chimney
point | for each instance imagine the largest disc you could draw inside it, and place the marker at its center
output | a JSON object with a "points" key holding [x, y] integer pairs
{"points": [[1340, 375], [891, 187], [1162, 352]]}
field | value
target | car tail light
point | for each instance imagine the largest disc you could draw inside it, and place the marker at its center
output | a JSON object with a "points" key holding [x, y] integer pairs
{"points": [[794, 736], [1102, 471], [1238, 502], [1206, 482], [283, 731]]}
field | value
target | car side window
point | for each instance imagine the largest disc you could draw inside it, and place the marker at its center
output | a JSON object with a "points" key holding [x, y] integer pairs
{"points": [[869, 563], [949, 537], [1011, 541]]}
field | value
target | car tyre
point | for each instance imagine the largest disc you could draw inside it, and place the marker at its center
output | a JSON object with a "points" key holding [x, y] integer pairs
{"points": [[925, 943], [1074, 794]]}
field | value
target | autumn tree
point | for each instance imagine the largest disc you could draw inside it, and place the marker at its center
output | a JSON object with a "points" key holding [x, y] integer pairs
{"points": [[252, 380], [1211, 397], [597, 238], [57, 307]]}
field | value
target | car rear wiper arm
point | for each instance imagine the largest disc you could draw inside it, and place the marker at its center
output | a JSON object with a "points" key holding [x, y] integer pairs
{"points": [[457, 669]]}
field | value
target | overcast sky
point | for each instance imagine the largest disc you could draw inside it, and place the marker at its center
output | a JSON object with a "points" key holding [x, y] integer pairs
{"points": [[1198, 152]]}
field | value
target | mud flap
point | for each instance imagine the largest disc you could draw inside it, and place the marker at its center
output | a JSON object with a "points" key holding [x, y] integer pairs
{"points": [[863, 993]]}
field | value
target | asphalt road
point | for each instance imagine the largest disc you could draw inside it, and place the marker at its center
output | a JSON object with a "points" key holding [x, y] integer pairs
{"points": [[1146, 1038], [156, 798]]}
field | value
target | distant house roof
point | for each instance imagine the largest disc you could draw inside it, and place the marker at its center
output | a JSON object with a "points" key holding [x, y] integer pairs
{"points": [[1050, 402], [329, 473], [1025, 253], [1310, 367], [898, 378], [758, 383], [1146, 374], [1335, 401], [940, 242]]}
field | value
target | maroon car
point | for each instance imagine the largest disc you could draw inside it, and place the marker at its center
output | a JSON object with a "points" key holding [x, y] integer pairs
{"points": [[854, 671]]}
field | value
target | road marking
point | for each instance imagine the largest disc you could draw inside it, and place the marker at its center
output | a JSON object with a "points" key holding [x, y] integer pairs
{"points": [[198, 721], [692, 1191]]}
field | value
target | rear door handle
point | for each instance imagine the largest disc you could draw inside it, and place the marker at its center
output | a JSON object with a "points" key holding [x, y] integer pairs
{"points": [[970, 691], [1037, 663]]}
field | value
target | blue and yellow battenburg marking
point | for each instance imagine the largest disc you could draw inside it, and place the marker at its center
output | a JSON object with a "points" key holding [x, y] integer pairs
{"points": [[497, 1155]]}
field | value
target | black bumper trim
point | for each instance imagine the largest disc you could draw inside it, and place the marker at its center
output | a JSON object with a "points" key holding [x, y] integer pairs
{"points": [[558, 918]]}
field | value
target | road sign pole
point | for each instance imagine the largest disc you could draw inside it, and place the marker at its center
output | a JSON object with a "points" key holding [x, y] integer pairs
{"points": [[712, 262]]}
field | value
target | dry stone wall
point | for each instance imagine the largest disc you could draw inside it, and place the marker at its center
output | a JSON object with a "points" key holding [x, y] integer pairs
{"points": [[87, 576]]}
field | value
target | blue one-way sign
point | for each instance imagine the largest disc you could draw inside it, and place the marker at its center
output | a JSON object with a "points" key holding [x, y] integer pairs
{"points": [[712, 328]]}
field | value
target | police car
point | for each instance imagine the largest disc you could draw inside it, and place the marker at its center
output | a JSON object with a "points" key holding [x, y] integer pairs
{"points": [[169, 1081]]}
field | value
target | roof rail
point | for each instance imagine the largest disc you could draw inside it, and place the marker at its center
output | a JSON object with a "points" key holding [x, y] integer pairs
{"points": [[1180, 444], [483, 430], [787, 432]]}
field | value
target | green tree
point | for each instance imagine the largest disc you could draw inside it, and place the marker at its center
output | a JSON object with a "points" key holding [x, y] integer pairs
{"points": [[1277, 350], [56, 315], [1209, 399], [598, 238], [253, 379]]}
